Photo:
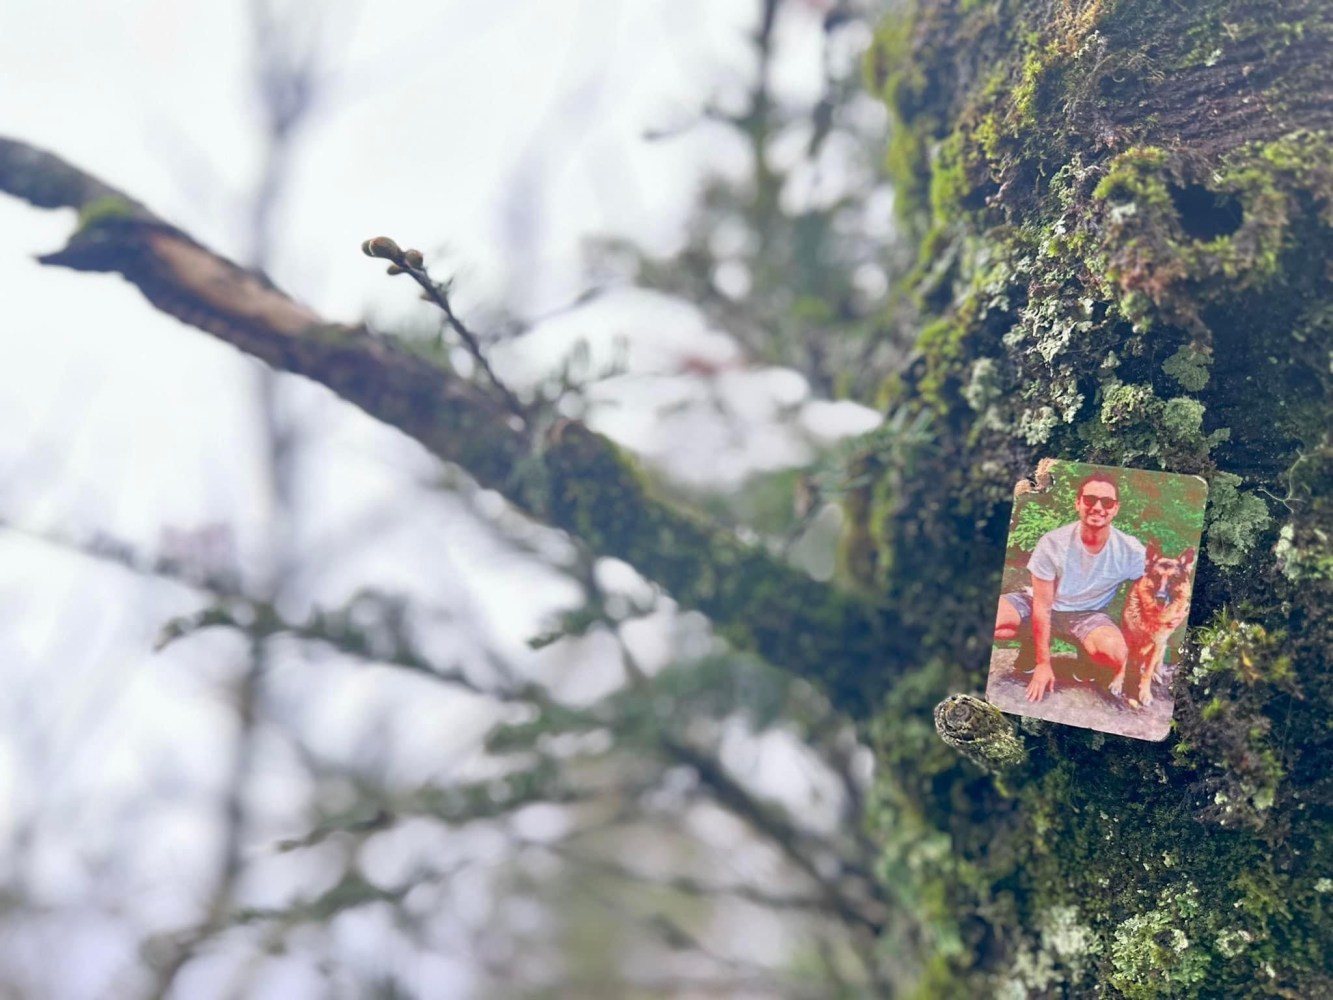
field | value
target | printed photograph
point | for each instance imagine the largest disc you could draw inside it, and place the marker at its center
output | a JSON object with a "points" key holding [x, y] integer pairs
{"points": [[1096, 596]]}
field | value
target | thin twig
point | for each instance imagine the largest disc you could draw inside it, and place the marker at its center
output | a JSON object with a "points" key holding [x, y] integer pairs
{"points": [[412, 262], [439, 295]]}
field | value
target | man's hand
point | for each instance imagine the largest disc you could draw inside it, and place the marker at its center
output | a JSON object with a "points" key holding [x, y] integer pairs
{"points": [[1043, 678], [1042, 683]]}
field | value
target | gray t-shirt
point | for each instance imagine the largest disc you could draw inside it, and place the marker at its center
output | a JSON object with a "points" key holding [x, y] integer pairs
{"points": [[1083, 581]]}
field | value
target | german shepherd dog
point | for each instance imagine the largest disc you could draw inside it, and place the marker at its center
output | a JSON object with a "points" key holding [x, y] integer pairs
{"points": [[1156, 605]]}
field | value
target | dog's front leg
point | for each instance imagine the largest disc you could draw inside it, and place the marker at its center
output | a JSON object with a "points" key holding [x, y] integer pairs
{"points": [[1150, 667], [1117, 685]]}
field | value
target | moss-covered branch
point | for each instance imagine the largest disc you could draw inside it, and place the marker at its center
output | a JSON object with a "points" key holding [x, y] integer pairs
{"points": [[573, 478]]}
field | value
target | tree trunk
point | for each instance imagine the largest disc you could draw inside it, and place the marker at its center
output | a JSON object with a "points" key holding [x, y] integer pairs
{"points": [[1124, 211]]}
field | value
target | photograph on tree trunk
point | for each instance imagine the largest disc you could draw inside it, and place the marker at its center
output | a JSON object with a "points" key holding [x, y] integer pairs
{"points": [[518, 500], [1090, 600]]}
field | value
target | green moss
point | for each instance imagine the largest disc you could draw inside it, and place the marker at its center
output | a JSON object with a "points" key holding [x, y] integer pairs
{"points": [[941, 343], [1309, 560], [1237, 669], [906, 163], [1063, 950], [898, 78], [1189, 367], [1025, 93], [949, 183], [102, 209], [1235, 520], [1302, 159], [1134, 176], [1152, 953], [1128, 404], [334, 334], [1182, 419], [1245, 651]]}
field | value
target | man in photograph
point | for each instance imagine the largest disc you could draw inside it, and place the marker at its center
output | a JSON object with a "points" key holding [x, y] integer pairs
{"points": [[1076, 570]]}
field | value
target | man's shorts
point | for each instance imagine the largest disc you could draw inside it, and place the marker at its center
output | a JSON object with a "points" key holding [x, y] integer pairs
{"points": [[1064, 624]]}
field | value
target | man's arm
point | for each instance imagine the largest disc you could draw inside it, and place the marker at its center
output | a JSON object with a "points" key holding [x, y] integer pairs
{"points": [[1043, 677]]}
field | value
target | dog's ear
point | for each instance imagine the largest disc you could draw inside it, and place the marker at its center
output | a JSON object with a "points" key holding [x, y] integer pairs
{"points": [[1154, 550], [1187, 558]]}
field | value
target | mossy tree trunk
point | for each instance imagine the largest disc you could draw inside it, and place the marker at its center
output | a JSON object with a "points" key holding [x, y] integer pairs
{"points": [[1125, 212]]}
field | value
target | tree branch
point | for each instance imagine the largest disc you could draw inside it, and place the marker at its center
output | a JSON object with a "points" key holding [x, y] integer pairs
{"points": [[570, 477]]}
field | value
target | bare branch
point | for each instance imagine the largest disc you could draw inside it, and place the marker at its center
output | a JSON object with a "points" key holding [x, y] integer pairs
{"points": [[862, 908]]}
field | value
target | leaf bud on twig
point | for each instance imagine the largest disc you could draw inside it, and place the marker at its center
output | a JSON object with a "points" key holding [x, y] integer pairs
{"points": [[382, 246]]}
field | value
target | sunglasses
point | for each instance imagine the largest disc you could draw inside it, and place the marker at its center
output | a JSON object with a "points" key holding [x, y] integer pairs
{"points": [[1106, 503]]}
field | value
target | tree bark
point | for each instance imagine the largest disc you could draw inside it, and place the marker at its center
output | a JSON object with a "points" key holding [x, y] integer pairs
{"points": [[1124, 212]]}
